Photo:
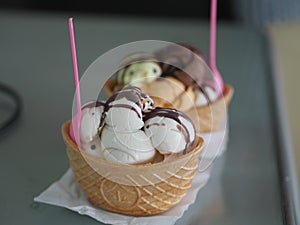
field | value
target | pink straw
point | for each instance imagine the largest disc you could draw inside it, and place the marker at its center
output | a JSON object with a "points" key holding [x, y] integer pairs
{"points": [[74, 129], [212, 47]]}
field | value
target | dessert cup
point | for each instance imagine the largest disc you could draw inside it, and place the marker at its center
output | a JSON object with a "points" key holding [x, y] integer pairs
{"points": [[137, 190], [212, 117]]}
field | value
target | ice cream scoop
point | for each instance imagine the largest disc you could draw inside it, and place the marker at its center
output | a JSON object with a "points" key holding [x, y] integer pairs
{"points": [[90, 121], [126, 129], [169, 130], [170, 92], [184, 62], [139, 72], [129, 148], [124, 109], [90, 124], [187, 64], [137, 69]]}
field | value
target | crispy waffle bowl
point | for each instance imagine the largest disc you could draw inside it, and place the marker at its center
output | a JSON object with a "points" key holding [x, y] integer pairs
{"points": [[137, 190], [154, 187]]}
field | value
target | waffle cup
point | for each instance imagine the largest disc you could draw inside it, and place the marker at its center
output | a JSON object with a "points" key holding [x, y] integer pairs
{"points": [[212, 117], [208, 118], [137, 190]]}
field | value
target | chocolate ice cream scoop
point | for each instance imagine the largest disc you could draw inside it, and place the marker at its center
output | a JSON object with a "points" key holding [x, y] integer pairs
{"points": [[187, 64], [177, 58]]}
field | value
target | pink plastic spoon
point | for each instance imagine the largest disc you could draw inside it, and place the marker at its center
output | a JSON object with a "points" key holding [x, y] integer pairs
{"points": [[212, 48], [75, 125]]}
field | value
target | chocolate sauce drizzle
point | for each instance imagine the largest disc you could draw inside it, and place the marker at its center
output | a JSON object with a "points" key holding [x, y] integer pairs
{"points": [[131, 94], [155, 124], [202, 89], [124, 106], [94, 104]]}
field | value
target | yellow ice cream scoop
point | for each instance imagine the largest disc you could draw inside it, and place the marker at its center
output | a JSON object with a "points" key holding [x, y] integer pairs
{"points": [[139, 73]]}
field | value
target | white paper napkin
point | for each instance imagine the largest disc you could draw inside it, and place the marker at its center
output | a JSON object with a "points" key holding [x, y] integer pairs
{"points": [[66, 193]]}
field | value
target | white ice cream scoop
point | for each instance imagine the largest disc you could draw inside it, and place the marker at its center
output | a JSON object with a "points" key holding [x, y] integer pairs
{"points": [[124, 109], [124, 116], [129, 148], [89, 127], [169, 130]]}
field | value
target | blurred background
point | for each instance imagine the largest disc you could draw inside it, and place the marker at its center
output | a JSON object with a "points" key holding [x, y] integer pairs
{"points": [[253, 12], [41, 52], [166, 8]]}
